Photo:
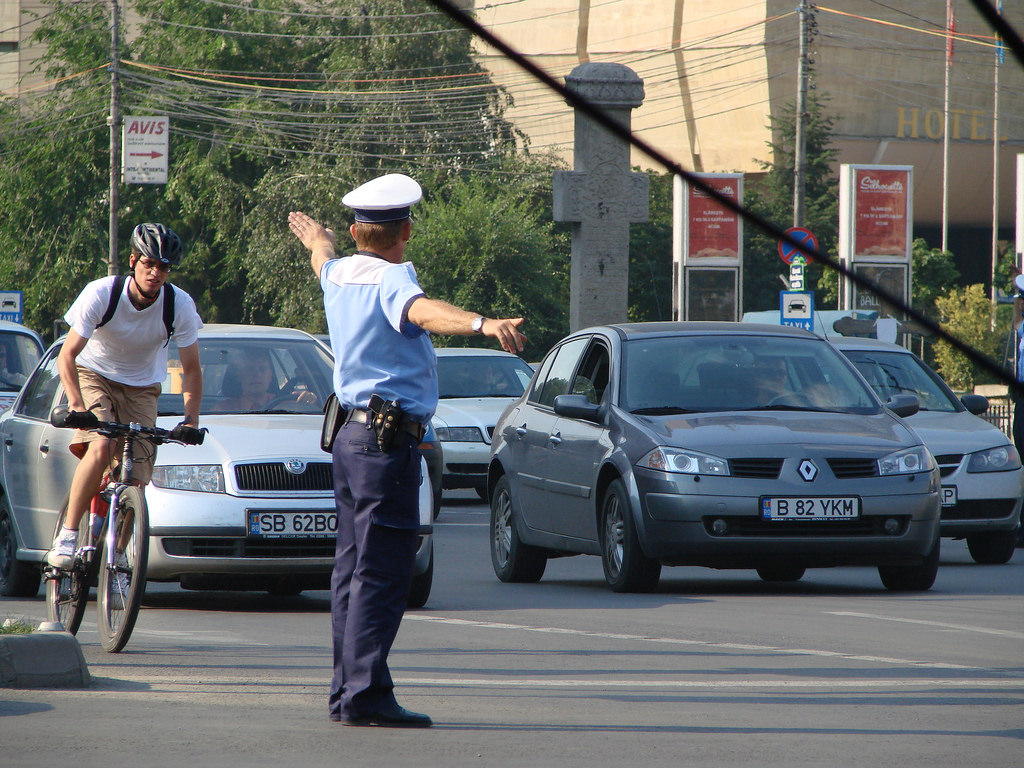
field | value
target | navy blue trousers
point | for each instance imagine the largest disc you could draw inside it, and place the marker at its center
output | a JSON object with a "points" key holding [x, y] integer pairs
{"points": [[377, 497]]}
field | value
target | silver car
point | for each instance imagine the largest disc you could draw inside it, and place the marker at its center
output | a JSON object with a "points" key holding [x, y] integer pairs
{"points": [[20, 350], [251, 508], [982, 477], [725, 445]]}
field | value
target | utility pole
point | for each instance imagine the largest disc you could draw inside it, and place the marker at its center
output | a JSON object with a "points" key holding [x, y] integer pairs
{"points": [[114, 121], [807, 23]]}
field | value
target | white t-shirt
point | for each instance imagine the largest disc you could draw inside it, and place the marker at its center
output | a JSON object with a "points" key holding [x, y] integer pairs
{"points": [[131, 348]]}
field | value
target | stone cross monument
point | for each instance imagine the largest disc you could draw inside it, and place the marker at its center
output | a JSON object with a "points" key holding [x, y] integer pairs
{"points": [[601, 196]]}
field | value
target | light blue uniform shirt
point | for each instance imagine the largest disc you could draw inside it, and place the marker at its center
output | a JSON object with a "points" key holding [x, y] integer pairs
{"points": [[376, 349]]}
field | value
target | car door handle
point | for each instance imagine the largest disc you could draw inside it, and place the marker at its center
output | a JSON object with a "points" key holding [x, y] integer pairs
{"points": [[44, 448], [8, 441], [555, 439]]}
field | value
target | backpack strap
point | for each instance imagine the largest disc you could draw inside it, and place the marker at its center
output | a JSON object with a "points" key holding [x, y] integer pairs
{"points": [[168, 311], [115, 297]]}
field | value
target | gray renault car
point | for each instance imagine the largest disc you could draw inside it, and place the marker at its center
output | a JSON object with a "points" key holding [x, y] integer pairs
{"points": [[726, 445]]}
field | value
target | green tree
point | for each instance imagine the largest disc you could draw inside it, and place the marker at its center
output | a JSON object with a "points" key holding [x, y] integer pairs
{"points": [[274, 106], [650, 256], [966, 314], [771, 197]]}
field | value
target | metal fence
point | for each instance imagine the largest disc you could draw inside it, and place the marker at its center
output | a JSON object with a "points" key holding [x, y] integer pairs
{"points": [[1000, 413]]}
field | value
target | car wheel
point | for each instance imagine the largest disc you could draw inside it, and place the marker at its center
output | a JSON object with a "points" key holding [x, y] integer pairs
{"points": [[780, 573], [17, 579], [513, 560], [419, 590], [912, 578], [437, 501], [994, 548], [626, 567], [481, 491]]}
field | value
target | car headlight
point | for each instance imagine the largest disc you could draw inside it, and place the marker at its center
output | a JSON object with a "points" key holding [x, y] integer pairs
{"points": [[684, 462], [207, 478], [906, 462], [999, 459], [459, 434]]}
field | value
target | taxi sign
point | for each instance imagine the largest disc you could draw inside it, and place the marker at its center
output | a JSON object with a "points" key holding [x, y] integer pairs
{"points": [[10, 306], [796, 308], [790, 254]]}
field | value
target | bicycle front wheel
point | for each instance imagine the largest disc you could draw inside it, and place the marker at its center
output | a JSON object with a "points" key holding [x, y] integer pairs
{"points": [[123, 582], [67, 591]]}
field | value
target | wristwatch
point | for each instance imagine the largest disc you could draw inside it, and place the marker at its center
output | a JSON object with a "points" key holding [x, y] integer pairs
{"points": [[478, 324]]}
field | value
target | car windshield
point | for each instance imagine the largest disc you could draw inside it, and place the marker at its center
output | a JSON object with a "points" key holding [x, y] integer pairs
{"points": [[689, 374], [254, 375], [18, 356], [894, 373], [482, 376]]}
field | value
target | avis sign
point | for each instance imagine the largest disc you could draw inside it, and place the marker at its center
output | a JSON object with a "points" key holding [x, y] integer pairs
{"points": [[144, 145]]}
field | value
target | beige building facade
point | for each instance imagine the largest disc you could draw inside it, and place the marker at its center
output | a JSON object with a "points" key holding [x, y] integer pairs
{"points": [[716, 71]]}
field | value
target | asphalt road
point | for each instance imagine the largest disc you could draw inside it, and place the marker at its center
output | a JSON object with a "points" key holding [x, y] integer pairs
{"points": [[715, 669]]}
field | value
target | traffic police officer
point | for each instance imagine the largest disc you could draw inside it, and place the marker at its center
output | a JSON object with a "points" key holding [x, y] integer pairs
{"points": [[384, 375]]}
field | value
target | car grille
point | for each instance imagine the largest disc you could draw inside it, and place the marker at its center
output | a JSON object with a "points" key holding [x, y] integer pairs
{"points": [[948, 463], [236, 547], [272, 476], [980, 509], [763, 469], [755, 526], [846, 469]]}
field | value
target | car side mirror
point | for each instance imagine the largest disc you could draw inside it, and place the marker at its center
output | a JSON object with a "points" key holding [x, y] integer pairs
{"points": [[903, 405], [976, 404], [577, 407]]}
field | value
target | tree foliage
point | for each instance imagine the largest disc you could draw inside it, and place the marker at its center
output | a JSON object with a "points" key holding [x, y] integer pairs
{"points": [[771, 197], [275, 105]]}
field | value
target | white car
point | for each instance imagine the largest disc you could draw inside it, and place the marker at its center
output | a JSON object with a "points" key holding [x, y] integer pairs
{"points": [[474, 386], [982, 478], [251, 508]]}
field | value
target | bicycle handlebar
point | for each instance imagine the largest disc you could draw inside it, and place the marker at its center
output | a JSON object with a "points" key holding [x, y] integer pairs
{"points": [[185, 435]]}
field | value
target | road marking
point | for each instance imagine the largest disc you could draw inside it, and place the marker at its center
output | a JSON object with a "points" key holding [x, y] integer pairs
{"points": [[547, 682], [939, 624], [711, 645]]}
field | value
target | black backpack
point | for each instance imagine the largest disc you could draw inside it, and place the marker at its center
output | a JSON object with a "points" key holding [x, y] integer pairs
{"points": [[115, 296]]}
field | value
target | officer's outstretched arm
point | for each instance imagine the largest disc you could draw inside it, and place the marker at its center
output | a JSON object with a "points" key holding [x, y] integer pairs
{"points": [[441, 317]]}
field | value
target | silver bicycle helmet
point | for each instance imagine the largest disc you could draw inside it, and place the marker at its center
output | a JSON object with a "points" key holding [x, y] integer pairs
{"points": [[158, 242]]}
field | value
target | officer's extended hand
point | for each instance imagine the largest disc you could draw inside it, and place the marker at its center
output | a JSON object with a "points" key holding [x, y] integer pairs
{"points": [[506, 331]]}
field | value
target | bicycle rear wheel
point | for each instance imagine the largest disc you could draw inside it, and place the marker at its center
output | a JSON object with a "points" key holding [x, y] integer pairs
{"points": [[67, 591], [122, 583]]}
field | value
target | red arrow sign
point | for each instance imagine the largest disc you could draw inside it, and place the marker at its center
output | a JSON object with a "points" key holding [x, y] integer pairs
{"points": [[151, 155]]}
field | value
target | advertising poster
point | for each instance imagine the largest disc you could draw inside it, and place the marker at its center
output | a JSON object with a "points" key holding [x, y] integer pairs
{"points": [[714, 232], [711, 295], [880, 212]]}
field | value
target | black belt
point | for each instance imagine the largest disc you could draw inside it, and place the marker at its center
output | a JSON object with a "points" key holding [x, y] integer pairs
{"points": [[363, 416]]}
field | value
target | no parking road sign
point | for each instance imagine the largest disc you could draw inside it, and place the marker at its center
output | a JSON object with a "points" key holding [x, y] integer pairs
{"points": [[790, 254]]}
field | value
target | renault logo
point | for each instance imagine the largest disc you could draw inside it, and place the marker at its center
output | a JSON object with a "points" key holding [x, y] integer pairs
{"points": [[807, 470], [295, 466]]}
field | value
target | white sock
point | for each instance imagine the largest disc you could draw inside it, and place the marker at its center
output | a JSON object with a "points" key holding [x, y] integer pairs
{"points": [[68, 533]]}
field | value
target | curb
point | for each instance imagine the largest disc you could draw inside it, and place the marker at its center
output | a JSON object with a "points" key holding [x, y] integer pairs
{"points": [[50, 657]]}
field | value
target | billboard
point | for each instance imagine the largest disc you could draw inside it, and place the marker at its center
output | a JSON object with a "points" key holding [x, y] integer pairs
{"points": [[875, 232]]}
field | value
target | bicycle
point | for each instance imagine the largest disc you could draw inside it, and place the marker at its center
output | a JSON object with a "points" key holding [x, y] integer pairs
{"points": [[122, 538]]}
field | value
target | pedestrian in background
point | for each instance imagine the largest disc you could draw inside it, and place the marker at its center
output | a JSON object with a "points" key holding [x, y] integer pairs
{"points": [[385, 379]]}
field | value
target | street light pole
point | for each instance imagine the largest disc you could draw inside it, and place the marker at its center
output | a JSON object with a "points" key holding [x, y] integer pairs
{"points": [[114, 121], [800, 138]]}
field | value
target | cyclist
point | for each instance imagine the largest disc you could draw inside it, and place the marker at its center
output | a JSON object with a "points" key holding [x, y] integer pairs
{"points": [[114, 361]]}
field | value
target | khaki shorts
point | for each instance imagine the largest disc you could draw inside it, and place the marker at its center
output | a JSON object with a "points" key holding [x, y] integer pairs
{"points": [[111, 401]]}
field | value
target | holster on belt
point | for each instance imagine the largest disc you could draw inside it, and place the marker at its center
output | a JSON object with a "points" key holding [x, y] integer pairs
{"points": [[387, 419], [334, 416]]}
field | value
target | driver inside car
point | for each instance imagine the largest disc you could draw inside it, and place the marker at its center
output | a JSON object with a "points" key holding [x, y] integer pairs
{"points": [[249, 386]]}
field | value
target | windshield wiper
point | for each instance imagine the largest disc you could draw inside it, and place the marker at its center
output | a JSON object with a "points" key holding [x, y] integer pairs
{"points": [[662, 410], [783, 407]]}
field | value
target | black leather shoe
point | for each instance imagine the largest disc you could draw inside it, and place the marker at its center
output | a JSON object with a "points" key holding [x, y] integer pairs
{"points": [[390, 717]]}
